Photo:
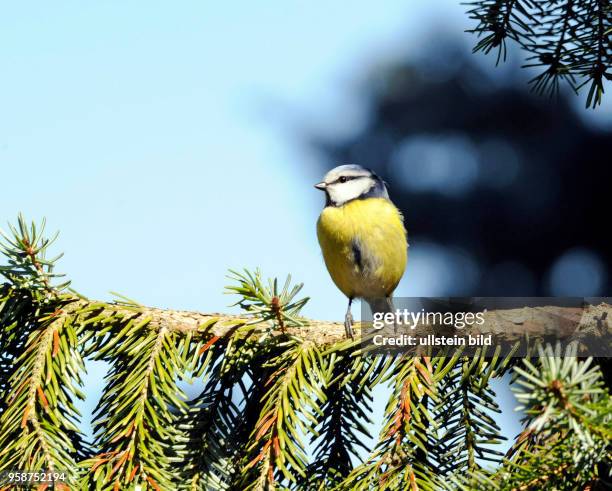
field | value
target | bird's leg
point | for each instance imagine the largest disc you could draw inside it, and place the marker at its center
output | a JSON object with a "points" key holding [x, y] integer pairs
{"points": [[348, 321]]}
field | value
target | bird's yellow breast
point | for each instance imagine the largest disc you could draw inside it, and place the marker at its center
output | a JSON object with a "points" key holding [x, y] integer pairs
{"points": [[364, 246]]}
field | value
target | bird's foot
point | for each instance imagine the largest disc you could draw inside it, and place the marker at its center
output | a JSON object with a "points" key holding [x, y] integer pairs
{"points": [[348, 325]]}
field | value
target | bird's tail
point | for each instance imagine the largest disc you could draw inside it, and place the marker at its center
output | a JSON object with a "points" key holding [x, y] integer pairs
{"points": [[382, 304]]}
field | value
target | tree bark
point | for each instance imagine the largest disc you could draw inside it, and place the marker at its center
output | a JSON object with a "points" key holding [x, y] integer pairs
{"points": [[508, 325]]}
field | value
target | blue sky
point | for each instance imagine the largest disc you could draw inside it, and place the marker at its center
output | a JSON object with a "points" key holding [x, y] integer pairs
{"points": [[155, 136]]}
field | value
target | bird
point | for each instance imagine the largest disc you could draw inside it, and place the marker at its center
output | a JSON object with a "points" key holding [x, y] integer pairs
{"points": [[362, 237]]}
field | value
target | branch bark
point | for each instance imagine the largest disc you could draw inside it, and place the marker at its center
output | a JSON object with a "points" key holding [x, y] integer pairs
{"points": [[508, 325]]}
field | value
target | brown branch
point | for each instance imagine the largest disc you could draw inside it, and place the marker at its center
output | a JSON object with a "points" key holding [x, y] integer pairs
{"points": [[508, 325]]}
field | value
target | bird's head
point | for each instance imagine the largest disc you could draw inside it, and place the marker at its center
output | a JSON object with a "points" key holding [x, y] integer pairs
{"points": [[348, 182]]}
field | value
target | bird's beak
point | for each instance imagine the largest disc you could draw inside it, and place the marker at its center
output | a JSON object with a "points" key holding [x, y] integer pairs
{"points": [[321, 186]]}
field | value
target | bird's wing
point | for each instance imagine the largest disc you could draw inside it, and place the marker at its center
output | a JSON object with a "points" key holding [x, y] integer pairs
{"points": [[364, 257]]}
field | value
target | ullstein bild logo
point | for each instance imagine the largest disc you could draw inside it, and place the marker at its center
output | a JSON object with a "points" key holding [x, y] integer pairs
{"points": [[513, 326]]}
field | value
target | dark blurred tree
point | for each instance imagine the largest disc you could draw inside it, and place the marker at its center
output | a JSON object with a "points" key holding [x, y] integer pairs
{"points": [[480, 165], [569, 40]]}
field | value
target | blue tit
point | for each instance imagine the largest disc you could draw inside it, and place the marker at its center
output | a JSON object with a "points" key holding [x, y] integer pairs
{"points": [[362, 237]]}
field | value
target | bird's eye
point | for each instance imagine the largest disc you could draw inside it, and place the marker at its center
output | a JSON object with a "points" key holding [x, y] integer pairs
{"points": [[342, 179]]}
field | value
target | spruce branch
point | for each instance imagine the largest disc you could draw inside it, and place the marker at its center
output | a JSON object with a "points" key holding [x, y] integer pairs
{"points": [[135, 423], [565, 444], [397, 462], [560, 391], [509, 325], [220, 420], [38, 428], [271, 380], [499, 20], [345, 414], [16, 322], [470, 433], [208, 423], [569, 40], [277, 452], [268, 303], [28, 268], [41, 360], [568, 418]]}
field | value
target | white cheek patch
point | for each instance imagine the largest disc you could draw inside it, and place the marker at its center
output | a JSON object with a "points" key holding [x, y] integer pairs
{"points": [[341, 192]]}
